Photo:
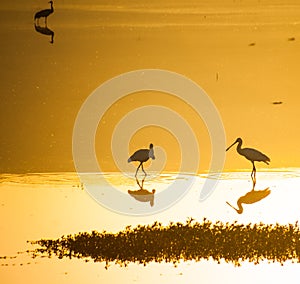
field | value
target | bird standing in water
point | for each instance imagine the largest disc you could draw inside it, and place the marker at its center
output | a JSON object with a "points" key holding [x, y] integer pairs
{"points": [[142, 156], [44, 13], [252, 155]]}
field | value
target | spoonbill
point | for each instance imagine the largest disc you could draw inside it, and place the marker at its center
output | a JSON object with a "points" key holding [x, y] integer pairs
{"points": [[44, 13], [252, 155], [142, 156]]}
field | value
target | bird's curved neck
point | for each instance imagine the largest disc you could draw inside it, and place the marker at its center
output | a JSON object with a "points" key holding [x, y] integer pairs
{"points": [[239, 146], [51, 6], [151, 153], [241, 209]]}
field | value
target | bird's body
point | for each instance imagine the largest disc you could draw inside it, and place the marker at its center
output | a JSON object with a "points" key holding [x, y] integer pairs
{"points": [[142, 156], [44, 13], [252, 155]]}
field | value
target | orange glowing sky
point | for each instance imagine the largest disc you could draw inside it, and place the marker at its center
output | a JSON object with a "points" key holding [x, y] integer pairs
{"points": [[245, 56]]}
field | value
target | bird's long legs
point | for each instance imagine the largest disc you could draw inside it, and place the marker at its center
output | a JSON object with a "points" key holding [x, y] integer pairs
{"points": [[144, 171], [141, 164], [253, 175], [137, 169], [137, 181]]}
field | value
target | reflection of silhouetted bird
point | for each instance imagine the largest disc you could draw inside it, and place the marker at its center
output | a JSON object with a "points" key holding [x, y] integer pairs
{"points": [[250, 154], [249, 198], [45, 31], [44, 13], [143, 195], [142, 156]]}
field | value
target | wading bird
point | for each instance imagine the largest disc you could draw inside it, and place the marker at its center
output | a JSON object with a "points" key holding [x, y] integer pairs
{"points": [[44, 13], [252, 155], [142, 156]]}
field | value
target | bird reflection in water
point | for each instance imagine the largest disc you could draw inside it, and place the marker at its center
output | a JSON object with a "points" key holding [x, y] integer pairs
{"points": [[45, 31], [142, 195], [250, 198]]}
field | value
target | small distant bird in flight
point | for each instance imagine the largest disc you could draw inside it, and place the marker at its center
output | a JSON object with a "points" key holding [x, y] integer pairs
{"points": [[252, 155], [44, 13], [142, 156], [277, 103]]}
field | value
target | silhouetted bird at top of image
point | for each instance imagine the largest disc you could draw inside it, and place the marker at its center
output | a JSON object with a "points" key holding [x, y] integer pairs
{"points": [[44, 13], [142, 156]]}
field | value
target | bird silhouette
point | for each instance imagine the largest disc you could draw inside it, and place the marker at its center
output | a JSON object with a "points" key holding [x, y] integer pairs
{"points": [[249, 198], [45, 31], [142, 156], [252, 155], [44, 13]]}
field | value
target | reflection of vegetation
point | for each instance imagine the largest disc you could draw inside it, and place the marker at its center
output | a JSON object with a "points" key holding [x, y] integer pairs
{"points": [[190, 241]]}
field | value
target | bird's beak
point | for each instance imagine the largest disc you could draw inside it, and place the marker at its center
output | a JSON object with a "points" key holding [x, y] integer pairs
{"points": [[231, 145]]}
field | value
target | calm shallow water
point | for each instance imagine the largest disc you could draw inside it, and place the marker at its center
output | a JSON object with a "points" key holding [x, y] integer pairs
{"points": [[51, 205], [45, 84]]}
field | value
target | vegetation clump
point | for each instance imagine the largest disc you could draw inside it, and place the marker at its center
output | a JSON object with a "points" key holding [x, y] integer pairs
{"points": [[230, 242]]}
